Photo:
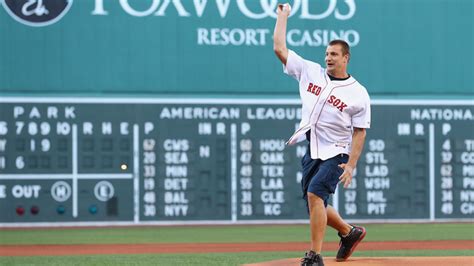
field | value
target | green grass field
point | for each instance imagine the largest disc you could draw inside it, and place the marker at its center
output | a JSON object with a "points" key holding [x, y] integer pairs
{"points": [[213, 234]]}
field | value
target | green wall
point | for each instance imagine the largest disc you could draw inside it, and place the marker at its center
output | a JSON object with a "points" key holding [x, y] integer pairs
{"points": [[400, 47]]}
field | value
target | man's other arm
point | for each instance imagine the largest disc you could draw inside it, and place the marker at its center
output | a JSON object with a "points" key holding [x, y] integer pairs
{"points": [[358, 139]]}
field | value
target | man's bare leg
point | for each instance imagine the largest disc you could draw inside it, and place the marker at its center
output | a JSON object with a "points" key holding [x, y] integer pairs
{"points": [[318, 221], [335, 221]]}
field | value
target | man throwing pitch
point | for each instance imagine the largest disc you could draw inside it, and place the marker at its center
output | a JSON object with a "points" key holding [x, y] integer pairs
{"points": [[335, 116]]}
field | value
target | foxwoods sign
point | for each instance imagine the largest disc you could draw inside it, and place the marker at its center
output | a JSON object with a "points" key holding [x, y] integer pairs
{"points": [[46, 12]]}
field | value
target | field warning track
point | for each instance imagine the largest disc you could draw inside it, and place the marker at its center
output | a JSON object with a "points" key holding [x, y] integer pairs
{"points": [[157, 248]]}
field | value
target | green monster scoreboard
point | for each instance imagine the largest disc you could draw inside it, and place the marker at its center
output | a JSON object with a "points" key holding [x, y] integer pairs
{"points": [[175, 161]]}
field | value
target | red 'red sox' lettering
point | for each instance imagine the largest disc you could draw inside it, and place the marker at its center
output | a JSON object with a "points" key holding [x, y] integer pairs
{"points": [[337, 103], [314, 89]]}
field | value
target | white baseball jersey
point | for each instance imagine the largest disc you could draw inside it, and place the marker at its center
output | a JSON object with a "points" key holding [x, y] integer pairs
{"points": [[331, 108]]}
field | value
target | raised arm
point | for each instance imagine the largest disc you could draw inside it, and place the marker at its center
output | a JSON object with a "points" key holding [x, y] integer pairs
{"points": [[279, 35]]}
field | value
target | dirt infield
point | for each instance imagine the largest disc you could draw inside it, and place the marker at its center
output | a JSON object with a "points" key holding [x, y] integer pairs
{"points": [[381, 261], [61, 250]]}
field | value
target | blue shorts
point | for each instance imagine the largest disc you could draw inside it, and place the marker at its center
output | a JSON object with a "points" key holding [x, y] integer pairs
{"points": [[321, 177]]}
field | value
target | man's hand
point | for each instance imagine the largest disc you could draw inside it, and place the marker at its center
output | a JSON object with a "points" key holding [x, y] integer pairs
{"points": [[284, 9], [346, 176]]}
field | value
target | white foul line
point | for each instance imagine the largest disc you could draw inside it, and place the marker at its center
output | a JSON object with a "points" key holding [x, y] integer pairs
{"points": [[74, 171], [432, 172], [233, 170], [104, 176], [136, 187], [63, 176], [34, 176]]}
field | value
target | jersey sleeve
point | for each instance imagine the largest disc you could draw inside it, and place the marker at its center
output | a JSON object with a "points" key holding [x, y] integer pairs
{"points": [[362, 118], [294, 65]]}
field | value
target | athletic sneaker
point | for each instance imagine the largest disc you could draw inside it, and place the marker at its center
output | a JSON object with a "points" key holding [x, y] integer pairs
{"points": [[348, 243], [312, 259]]}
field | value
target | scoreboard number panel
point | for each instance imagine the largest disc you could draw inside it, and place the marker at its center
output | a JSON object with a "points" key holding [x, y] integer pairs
{"points": [[177, 161]]}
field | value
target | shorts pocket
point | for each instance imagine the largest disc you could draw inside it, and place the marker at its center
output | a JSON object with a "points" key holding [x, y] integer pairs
{"points": [[333, 179]]}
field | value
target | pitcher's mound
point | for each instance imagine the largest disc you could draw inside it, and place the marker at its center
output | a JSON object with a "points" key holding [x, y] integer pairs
{"points": [[380, 261]]}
